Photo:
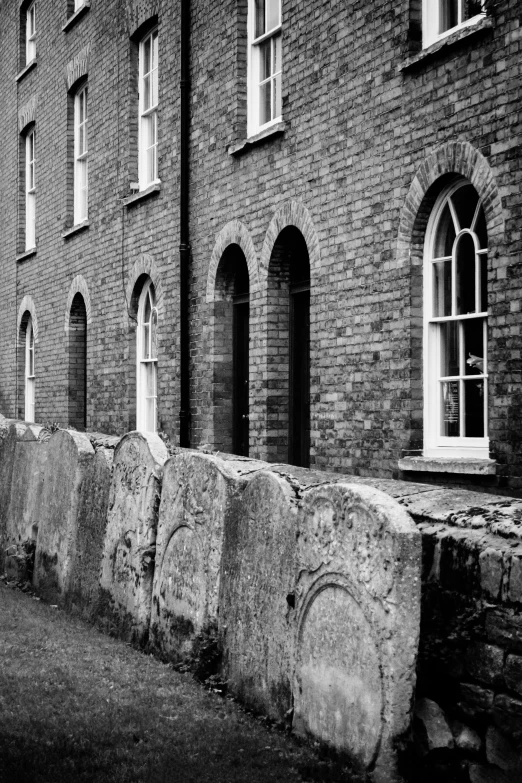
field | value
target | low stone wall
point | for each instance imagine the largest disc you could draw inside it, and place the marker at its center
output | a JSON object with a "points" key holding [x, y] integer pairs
{"points": [[305, 580]]}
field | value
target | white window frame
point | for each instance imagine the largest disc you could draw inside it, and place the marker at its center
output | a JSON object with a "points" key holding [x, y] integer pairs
{"points": [[431, 20], [81, 183], [29, 392], [30, 189], [148, 112], [271, 38], [436, 444], [78, 4], [147, 362], [30, 33]]}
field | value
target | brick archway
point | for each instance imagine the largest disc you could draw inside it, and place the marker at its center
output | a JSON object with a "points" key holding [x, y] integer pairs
{"points": [[27, 306], [78, 286], [144, 265], [234, 233], [292, 213]]}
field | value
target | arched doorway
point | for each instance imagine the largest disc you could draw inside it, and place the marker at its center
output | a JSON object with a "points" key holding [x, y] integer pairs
{"points": [[77, 396]]}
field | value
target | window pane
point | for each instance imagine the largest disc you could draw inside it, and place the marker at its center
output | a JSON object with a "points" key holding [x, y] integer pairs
{"points": [[260, 18], [150, 379], [465, 201], [145, 349], [480, 229], [265, 52], [154, 50], [449, 349], [445, 235], [277, 96], [448, 15], [147, 93], [483, 260], [272, 14], [265, 114], [474, 346], [465, 262], [147, 55], [276, 53], [442, 288], [154, 333], [474, 409], [450, 409]]}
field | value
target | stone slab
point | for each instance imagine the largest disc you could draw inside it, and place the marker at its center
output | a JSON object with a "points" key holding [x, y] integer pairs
{"points": [[198, 492], [68, 457], [7, 453], [82, 596], [358, 619], [129, 549]]}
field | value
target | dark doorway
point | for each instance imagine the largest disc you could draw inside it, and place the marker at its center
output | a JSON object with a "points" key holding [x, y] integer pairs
{"points": [[299, 408], [240, 364], [78, 364]]}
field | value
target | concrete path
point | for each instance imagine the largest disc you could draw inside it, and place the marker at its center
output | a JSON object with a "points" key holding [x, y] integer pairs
{"points": [[76, 705]]}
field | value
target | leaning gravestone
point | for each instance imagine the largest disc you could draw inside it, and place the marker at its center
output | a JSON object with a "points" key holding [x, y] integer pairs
{"points": [[197, 496], [69, 455], [358, 615], [8, 438], [257, 595], [129, 548]]}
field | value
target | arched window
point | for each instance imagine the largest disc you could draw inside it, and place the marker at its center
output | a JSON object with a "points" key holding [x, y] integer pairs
{"points": [[455, 329], [147, 360], [29, 372]]}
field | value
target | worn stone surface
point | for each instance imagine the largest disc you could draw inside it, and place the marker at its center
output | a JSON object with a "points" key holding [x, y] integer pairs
{"points": [[466, 738], [358, 605], [484, 662], [197, 493], [7, 457], [504, 628], [507, 715], [130, 542], [513, 673], [484, 773], [258, 594], [502, 752], [431, 727], [82, 596], [68, 456]]}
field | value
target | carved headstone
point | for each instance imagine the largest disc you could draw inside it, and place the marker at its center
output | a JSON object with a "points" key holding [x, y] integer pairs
{"points": [[129, 549], [358, 607], [68, 457], [257, 595], [197, 493]]}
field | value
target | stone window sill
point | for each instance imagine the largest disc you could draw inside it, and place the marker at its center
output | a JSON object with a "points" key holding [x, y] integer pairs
{"points": [[467, 465], [69, 232], [243, 146], [26, 69], [142, 195], [26, 254], [76, 16], [448, 43]]}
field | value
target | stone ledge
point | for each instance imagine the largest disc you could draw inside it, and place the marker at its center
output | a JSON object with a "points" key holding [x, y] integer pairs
{"points": [[25, 70], [77, 15], [26, 254], [75, 229], [142, 194], [274, 130], [467, 465], [486, 23]]}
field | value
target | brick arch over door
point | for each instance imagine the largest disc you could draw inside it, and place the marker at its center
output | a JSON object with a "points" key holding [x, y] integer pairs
{"points": [[234, 233], [454, 159], [292, 213], [78, 286], [27, 305]]}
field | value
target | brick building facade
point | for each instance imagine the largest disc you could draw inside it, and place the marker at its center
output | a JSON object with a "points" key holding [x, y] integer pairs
{"points": [[353, 201]]}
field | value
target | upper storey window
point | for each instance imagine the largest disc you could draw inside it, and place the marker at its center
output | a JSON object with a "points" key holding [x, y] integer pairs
{"points": [[148, 100], [30, 33], [264, 35], [456, 313], [442, 17], [30, 190], [80, 155]]}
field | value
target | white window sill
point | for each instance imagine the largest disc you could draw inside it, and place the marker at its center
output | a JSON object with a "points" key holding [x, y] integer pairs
{"points": [[75, 229], [483, 23], [77, 15], [467, 465], [26, 254], [141, 195], [273, 130], [26, 69]]}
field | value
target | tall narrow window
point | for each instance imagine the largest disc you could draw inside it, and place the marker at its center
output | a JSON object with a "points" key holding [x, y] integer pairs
{"points": [[29, 372], [80, 156], [264, 32], [456, 325], [147, 360], [30, 190], [30, 33], [441, 17], [148, 101]]}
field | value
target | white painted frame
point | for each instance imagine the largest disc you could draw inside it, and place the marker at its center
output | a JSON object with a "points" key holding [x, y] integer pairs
{"points": [[30, 33], [271, 37], [29, 393], [81, 183], [30, 189], [435, 444], [431, 13], [147, 361], [148, 110]]}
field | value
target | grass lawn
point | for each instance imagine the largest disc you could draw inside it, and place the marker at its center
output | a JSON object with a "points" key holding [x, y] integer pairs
{"points": [[79, 706]]}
